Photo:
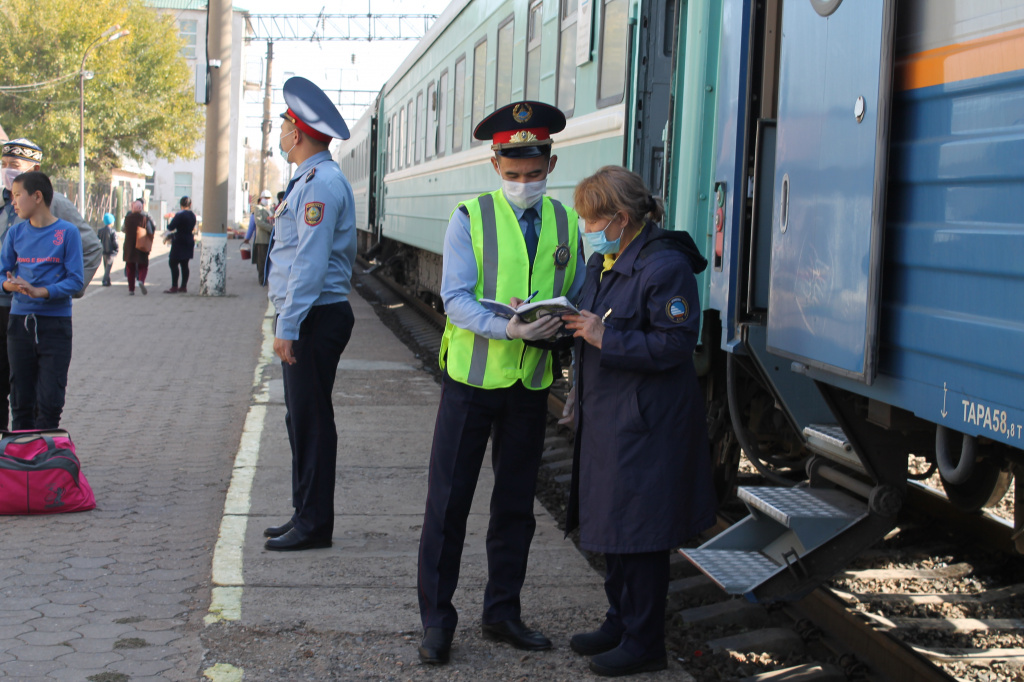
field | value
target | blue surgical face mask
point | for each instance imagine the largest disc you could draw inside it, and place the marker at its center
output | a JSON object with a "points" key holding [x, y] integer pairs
{"points": [[599, 241]]}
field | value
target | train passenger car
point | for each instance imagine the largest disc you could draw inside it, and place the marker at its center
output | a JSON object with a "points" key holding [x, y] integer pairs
{"points": [[850, 168], [355, 158], [866, 268]]}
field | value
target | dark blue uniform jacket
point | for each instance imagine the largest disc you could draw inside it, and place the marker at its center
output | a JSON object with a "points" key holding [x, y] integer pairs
{"points": [[642, 471]]}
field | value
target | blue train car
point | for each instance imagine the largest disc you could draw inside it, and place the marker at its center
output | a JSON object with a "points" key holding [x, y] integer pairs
{"points": [[868, 272]]}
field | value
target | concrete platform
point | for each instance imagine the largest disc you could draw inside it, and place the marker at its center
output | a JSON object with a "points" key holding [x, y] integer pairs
{"points": [[365, 584]]}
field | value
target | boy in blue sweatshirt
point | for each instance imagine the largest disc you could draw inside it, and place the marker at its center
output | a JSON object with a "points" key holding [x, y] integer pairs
{"points": [[42, 260]]}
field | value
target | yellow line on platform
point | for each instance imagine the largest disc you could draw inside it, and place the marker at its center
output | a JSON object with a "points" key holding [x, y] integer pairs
{"points": [[228, 579], [222, 672]]}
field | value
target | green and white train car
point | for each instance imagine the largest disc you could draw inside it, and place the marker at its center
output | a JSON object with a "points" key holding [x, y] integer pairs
{"points": [[608, 64]]}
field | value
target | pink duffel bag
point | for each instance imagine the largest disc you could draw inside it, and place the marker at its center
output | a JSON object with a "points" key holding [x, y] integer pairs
{"points": [[40, 474]]}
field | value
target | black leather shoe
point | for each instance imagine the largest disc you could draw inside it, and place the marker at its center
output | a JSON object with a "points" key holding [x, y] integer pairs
{"points": [[436, 645], [618, 662], [294, 541], [518, 635], [593, 643], [278, 531]]}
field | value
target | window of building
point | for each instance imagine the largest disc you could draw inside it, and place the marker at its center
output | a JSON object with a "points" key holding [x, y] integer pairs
{"points": [[459, 106], [182, 185], [421, 127], [479, 83], [431, 129], [611, 79], [187, 30], [503, 63], [534, 29], [566, 95], [442, 112]]}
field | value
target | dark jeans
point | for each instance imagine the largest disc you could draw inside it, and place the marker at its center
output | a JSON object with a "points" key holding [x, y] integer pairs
{"points": [[312, 433], [259, 257], [39, 350], [514, 419], [108, 261], [177, 265], [133, 269], [5, 369]]}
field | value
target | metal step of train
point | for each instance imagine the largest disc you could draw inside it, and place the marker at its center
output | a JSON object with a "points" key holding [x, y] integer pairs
{"points": [[785, 527]]}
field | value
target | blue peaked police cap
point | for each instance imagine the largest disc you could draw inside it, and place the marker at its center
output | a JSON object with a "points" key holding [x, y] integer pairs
{"points": [[312, 111]]}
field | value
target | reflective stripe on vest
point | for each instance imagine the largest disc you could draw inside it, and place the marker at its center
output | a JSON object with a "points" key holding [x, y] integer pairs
{"points": [[485, 363]]}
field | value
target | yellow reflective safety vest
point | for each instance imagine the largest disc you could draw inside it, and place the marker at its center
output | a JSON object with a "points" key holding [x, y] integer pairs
{"points": [[489, 363]]}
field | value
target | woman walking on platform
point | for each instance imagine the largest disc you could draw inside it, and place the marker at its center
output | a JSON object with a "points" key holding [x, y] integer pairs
{"points": [[182, 246]]}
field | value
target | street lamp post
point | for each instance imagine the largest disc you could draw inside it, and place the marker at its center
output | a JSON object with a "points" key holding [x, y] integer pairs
{"points": [[81, 109]]}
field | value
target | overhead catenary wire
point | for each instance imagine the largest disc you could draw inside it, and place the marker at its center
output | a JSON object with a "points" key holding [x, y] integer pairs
{"points": [[41, 84]]}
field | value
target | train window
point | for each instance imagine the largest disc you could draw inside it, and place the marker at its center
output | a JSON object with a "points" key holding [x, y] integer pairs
{"points": [[534, 29], [431, 128], [566, 87], [503, 65], [393, 143], [479, 83], [611, 79], [442, 112], [402, 137], [410, 130], [459, 107], [421, 121]]}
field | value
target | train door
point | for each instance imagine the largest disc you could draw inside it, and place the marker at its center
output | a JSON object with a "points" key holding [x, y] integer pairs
{"points": [[829, 186], [652, 91]]}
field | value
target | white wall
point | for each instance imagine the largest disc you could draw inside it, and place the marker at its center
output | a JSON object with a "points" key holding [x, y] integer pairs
{"points": [[164, 170]]}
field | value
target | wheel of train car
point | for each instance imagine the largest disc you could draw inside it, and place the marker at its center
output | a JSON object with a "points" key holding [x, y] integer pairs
{"points": [[984, 488]]}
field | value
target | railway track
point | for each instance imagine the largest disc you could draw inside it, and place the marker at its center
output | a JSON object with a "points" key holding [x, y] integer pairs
{"points": [[928, 605]]}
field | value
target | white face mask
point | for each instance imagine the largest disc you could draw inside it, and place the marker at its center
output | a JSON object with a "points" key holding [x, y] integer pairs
{"points": [[9, 175], [524, 194]]}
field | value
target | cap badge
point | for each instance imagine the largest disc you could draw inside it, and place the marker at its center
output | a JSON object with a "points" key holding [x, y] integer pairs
{"points": [[522, 136], [522, 112], [562, 255]]}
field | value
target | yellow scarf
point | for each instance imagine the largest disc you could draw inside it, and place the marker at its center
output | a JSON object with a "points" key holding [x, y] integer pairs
{"points": [[609, 258]]}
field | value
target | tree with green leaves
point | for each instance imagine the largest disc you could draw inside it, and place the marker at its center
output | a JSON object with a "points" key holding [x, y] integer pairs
{"points": [[138, 102]]}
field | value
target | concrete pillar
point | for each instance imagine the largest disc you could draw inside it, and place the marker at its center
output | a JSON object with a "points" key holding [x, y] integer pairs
{"points": [[213, 261]]}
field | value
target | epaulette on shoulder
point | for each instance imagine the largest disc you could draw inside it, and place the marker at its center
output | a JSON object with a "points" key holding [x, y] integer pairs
{"points": [[311, 174]]}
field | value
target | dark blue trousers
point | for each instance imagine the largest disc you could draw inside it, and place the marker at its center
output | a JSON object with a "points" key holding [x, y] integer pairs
{"points": [[39, 352], [637, 586], [5, 369], [312, 433], [515, 419]]}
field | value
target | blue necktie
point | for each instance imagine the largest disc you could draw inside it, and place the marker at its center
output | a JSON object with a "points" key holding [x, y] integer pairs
{"points": [[529, 216]]}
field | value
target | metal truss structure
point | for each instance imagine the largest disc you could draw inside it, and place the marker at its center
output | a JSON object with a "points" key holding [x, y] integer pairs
{"points": [[336, 27]]}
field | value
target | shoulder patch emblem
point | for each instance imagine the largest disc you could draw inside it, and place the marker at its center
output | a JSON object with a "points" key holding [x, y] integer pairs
{"points": [[677, 309], [314, 213], [311, 174]]}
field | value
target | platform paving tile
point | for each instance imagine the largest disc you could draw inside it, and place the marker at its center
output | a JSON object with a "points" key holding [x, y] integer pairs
{"points": [[136, 668], [11, 632], [58, 624], [92, 645], [18, 617], [26, 652], [27, 669], [98, 659], [35, 638], [62, 596]]}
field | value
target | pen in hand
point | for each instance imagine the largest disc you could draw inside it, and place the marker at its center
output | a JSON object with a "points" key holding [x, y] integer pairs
{"points": [[530, 297], [606, 314]]}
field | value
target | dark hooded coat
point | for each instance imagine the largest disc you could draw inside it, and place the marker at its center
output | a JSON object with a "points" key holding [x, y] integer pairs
{"points": [[642, 466]]}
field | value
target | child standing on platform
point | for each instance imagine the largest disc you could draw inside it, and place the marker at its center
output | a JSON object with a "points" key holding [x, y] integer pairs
{"points": [[108, 239], [41, 259]]}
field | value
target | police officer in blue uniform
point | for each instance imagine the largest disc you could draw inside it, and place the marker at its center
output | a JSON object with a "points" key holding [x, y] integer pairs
{"points": [[309, 273], [514, 240]]}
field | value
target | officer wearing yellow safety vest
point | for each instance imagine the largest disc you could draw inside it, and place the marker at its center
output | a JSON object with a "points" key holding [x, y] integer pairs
{"points": [[503, 245]]}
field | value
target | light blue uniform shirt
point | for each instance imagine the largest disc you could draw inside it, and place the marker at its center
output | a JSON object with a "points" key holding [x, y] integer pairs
{"points": [[459, 276], [314, 244]]}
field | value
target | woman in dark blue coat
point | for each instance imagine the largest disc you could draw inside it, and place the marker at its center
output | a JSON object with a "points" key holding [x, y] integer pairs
{"points": [[642, 472], [182, 246]]}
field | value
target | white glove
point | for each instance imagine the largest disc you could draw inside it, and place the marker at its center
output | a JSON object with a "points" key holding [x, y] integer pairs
{"points": [[542, 328], [569, 411]]}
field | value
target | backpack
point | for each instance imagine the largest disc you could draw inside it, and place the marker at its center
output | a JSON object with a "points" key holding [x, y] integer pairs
{"points": [[40, 474]]}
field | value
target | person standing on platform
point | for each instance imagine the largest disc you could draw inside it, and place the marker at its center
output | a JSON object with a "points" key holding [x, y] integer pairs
{"points": [[261, 238], [22, 156], [41, 259], [641, 479], [503, 245], [309, 272], [136, 260], [182, 245], [108, 240]]}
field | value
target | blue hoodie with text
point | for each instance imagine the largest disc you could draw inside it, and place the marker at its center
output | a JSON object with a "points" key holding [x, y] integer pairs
{"points": [[48, 257]]}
